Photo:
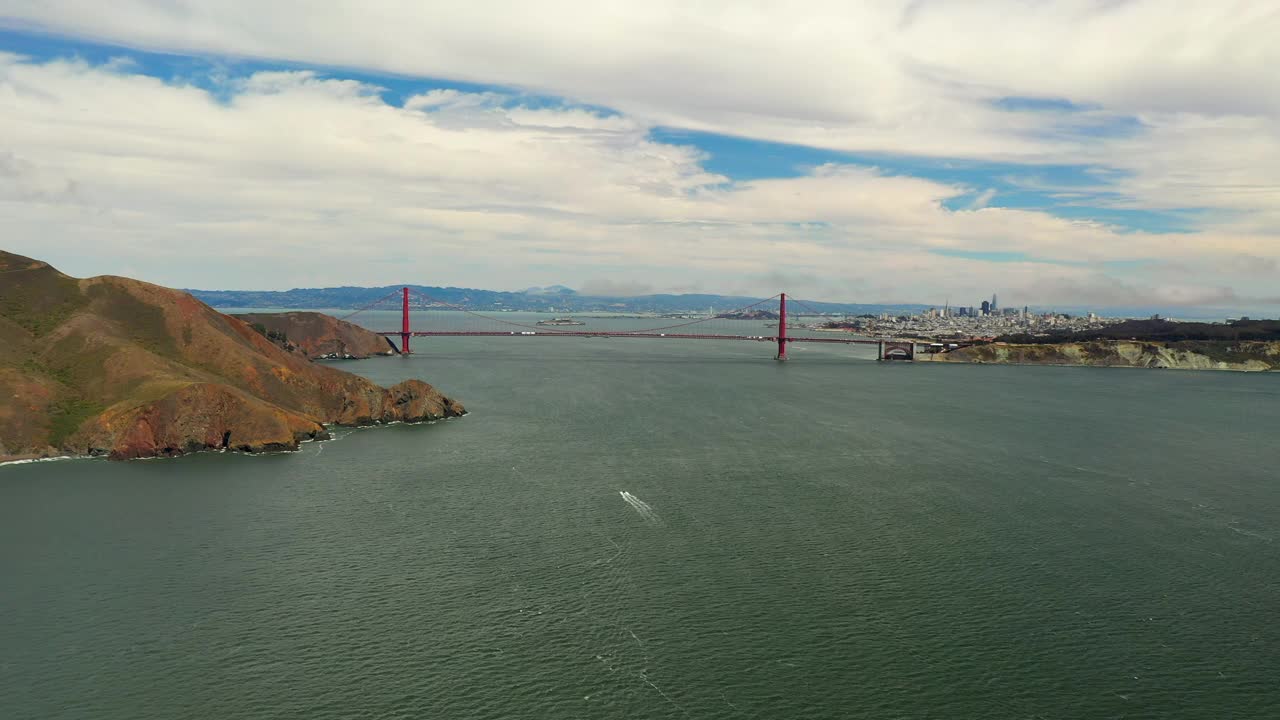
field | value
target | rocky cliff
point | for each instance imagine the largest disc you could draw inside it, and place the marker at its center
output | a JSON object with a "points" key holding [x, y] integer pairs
{"points": [[1189, 355], [317, 335], [108, 365]]}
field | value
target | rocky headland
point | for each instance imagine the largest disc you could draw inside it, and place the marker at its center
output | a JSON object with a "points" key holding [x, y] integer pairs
{"points": [[1177, 355], [317, 335], [118, 367]]}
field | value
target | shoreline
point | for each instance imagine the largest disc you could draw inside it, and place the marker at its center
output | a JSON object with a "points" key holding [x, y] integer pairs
{"points": [[924, 357], [29, 459]]}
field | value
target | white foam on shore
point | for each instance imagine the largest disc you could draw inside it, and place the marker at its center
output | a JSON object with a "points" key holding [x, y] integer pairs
{"points": [[46, 459]]}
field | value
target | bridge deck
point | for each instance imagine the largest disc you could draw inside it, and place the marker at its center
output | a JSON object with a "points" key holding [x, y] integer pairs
{"points": [[610, 334]]}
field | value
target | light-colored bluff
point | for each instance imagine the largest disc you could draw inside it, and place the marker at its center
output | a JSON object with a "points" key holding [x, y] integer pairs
{"points": [[109, 365], [1246, 356]]}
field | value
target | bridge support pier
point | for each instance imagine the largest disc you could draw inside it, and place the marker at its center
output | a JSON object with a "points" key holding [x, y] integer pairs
{"points": [[782, 328], [890, 350]]}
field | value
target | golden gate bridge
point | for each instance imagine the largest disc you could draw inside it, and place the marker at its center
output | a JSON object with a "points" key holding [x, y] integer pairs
{"points": [[716, 326]]}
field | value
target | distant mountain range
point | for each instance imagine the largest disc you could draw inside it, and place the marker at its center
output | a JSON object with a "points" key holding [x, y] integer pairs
{"points": [[556, 298]]}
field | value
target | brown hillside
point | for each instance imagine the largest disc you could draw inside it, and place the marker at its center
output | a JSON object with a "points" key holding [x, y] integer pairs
{"points": [[113, 365], [318, 335]]}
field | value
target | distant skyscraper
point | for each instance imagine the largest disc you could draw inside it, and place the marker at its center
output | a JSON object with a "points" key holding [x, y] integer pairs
{"points": [[986, 308], [994, 306]]}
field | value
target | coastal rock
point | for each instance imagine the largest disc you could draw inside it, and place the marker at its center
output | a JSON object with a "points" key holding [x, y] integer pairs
{"points": [[114, 366], [416, 401], [200, 416]]}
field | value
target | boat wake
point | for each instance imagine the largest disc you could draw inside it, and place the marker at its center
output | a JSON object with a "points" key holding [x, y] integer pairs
{"points": [[641, 507]]}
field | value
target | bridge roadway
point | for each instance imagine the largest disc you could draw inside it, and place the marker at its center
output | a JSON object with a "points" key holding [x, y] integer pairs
{"points": [[620, 333]]}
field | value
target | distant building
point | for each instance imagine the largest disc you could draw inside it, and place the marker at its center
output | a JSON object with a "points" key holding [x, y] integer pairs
{"points": [[994, 305], [986, 308]]}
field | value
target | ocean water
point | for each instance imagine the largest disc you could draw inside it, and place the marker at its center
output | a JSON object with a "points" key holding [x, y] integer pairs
{"points": [[647, 529]]}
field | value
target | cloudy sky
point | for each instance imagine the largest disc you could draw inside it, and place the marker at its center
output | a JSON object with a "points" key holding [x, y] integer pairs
{"points": [[1105, 153]]}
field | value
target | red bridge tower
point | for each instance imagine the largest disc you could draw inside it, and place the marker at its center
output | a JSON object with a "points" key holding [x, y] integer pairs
{"points": [[405, 333], [782, 327]]}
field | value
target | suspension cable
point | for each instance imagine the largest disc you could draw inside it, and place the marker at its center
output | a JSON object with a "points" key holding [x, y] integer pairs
{"points": [[388, 296], [473, 313], [807, 307], [543, 329], [706, 319]]}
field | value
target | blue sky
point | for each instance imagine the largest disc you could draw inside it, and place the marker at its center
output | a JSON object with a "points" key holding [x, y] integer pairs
{"points": [[851, 148], [1023, 186]]}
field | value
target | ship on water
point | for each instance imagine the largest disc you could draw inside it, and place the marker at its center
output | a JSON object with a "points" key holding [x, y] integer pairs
{"points": [[561, 321]]}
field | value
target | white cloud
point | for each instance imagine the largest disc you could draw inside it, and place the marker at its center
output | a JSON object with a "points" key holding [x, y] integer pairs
{"points": [[900, 76], [826, 65], [290, 179], [983, 199]]}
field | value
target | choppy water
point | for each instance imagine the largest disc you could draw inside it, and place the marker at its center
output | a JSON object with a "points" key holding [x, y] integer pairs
{"points": [[639, 529]]}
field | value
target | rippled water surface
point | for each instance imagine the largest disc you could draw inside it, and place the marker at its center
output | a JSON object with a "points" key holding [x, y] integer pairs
{"points": [[647, 529]]}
